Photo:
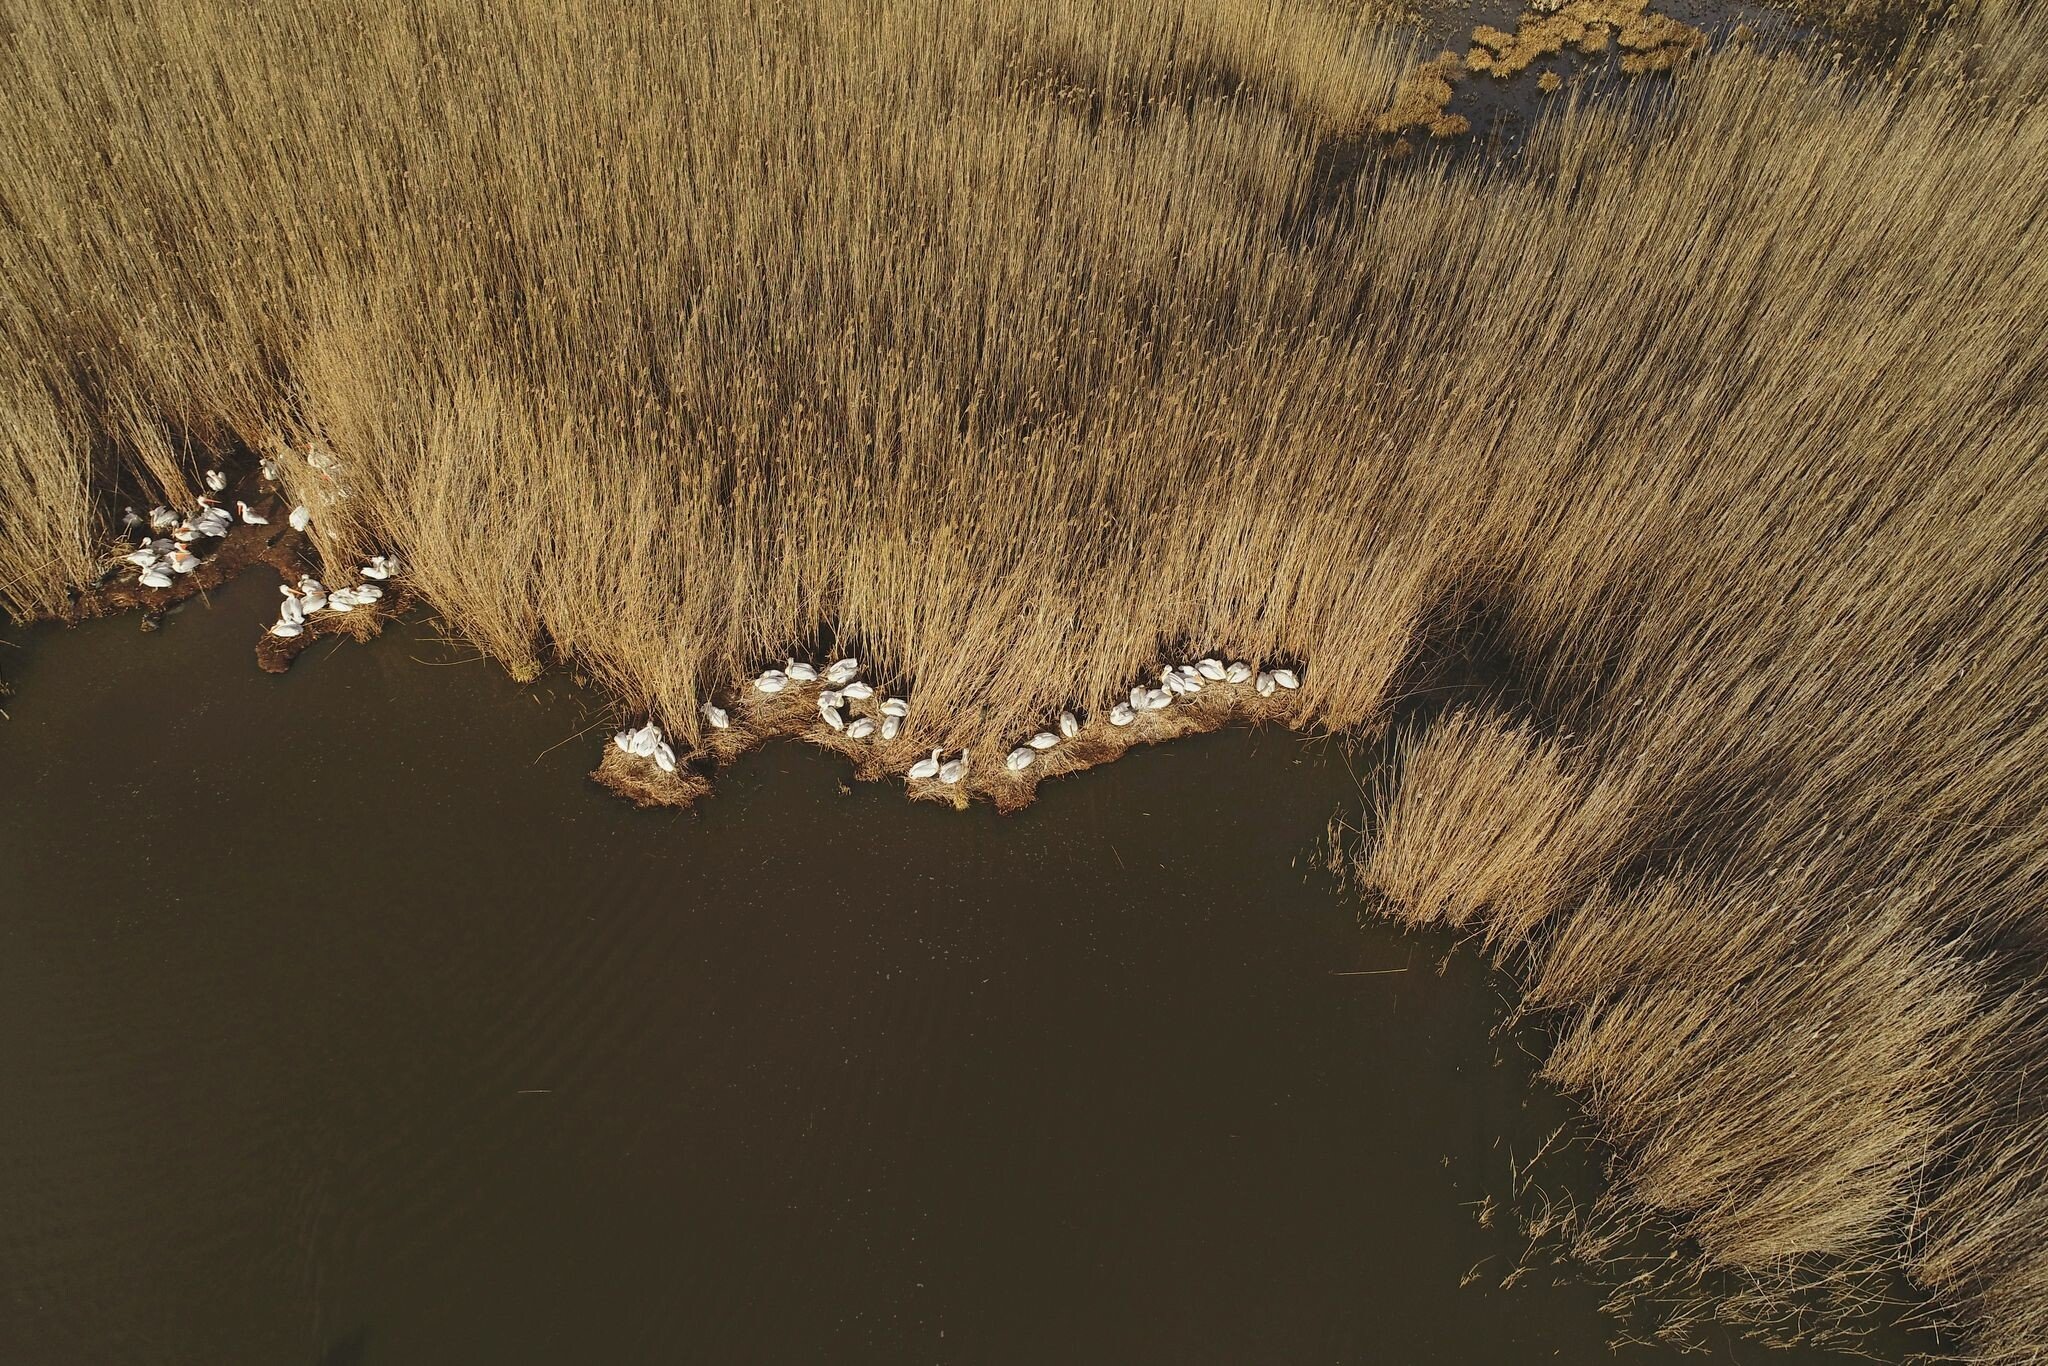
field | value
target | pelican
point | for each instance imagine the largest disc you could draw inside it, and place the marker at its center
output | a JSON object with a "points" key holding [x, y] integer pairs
{"points": [[185, 531], [829, 697], [269, 467], [1139, 699], [291, 611], [953, 770], [162, 519], [216, 481], [1121, 714], [250, 516], [645, 739], [300, 518], [800, 672], [367, 593], [341, 600], [1238, 672], [1019, 759], [1045, 739], [184, 561], [624, 740], [155, 577], [1264, 685], [1171, 681], [131, 521], [664, 757], [379, 567], [1159, 699], [143, 558], [861, 728], [926, 768], [859, 692], [771, 681], [314, 591], [287, 629], [832, 716], [841, 671], [215, 521], [715, 714], [895, 707], [892, 726], [1070, 725], [1285, 678], [1211, 669], [1189, 675]]}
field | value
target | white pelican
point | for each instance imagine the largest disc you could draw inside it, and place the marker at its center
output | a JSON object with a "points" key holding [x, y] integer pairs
{"points": [[953, 770], [1070, 725], [1210, 668], [341, 600], [250, 516], [1019, 759], [291, 611], [367, 593], [143, 558], [664, 757], [624, 740], [926, 768], [829, 697], [1139, 700], [300, 518], [215, 521], [1045, 739], [1285, 678], [1238, 672], [1159, 699], [645, 739], [216, 481], [1172, 682], [269, 468], [860, 728], [1121, 714], [832, 716], [315, 593], [859, 692], [715, 714], [892, 726], [162, 519], [841, 671], [184, 561], [379, 567], [896, 707], [185, 531], [800, 672], [155, 577], [287, 629], [771, 681], [1264, 684], [131, 521]]}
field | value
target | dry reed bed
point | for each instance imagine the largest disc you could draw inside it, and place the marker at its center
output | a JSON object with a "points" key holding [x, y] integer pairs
{"points": [[983, 345]]}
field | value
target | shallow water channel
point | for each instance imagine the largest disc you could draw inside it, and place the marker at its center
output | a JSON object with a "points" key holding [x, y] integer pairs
{"points": [[343, 1021]]}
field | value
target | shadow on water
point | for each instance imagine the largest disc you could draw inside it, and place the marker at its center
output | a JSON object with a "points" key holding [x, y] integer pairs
{"points": [[342, 1021]]}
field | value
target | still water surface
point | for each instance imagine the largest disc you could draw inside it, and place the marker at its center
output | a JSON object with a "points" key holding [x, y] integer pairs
{"points": [[342, 1021]]}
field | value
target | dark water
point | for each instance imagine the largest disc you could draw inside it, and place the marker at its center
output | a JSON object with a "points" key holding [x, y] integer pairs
{"points": [[342, 1021]]}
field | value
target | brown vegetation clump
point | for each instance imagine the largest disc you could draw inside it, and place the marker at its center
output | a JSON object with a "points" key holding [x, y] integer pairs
{"points": [[1016, 350], [1420, 99], [1650, 41]]}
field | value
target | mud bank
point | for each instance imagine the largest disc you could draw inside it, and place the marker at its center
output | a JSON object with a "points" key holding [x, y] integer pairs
{"points": [[793, 715]]}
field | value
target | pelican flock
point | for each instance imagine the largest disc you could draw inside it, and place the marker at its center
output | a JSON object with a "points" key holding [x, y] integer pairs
{"points": [[841, 688]]}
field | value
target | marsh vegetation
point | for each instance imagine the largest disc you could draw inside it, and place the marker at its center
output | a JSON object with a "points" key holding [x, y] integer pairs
{"points": [[1017, 347]]}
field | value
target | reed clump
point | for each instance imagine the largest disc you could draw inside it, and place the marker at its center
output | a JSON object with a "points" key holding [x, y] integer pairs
{"points": [[1016, 346]]}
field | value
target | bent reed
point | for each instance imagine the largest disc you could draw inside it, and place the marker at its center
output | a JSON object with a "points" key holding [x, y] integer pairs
{"points": [[1016, 347]]}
